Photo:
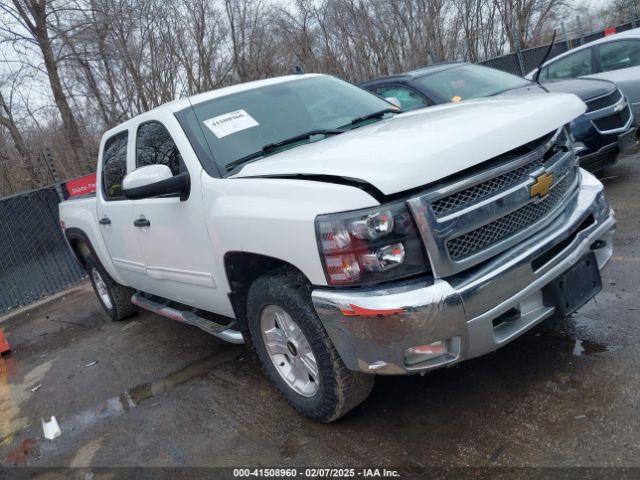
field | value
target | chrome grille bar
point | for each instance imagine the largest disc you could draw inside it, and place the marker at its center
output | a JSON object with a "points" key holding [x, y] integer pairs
{"points": [[473, 219], [472, 194], [510, 224]]}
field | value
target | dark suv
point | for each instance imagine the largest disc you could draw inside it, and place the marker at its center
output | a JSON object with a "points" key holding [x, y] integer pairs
{"points": [[606, 129]]}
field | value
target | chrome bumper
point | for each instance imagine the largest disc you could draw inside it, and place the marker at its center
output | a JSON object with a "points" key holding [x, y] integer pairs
{"points": [[372, 328]]}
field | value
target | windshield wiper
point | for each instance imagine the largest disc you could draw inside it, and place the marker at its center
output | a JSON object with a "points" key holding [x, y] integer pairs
{"points": [[301, 137], [287, 141], [373, 115]]}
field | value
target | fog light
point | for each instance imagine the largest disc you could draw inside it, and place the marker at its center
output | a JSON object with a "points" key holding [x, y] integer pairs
{"points": [[422, 353]]}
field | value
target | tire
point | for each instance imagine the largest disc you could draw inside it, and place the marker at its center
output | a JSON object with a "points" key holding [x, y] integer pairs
{"points": [[337, 389], [114, 298]]}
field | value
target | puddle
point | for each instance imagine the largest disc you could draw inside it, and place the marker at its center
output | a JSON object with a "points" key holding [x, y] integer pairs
{"points": [[148, 390], [115, 406], [587, 347]]}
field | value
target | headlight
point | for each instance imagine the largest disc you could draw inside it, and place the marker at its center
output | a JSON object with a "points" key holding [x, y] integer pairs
{"points": [[369, 246]]}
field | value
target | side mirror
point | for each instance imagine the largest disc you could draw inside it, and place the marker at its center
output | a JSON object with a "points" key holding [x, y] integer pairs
{"points": [[393, 101], [155, 181]]}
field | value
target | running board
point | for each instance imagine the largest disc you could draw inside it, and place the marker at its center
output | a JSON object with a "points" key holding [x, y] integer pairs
{"points": [[221, 331]]}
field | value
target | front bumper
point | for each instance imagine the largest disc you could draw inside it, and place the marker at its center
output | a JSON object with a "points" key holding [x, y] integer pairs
{"points": [[604, 157], [381, 323], [603, 150]]}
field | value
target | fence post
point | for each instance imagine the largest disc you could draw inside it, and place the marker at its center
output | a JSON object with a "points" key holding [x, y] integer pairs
{"points": [[48, 157], [518, 49], [566, 38], [579, 22], [632, 14]]}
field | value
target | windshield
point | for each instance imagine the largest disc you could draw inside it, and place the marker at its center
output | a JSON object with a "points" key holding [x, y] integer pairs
{"points": [[465, 82], [239, 125]]}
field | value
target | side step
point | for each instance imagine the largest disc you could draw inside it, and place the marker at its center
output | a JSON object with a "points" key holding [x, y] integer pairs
{"points": [[221, 331]]}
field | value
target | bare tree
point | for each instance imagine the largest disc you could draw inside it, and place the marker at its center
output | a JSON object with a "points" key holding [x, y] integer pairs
{"points": [[34, 16], [24, 159]]}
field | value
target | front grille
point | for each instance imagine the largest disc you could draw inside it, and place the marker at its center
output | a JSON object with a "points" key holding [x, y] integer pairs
{"points": [[490, 187], [604, 102], [615, 121], [457, 217], [509, 225]]}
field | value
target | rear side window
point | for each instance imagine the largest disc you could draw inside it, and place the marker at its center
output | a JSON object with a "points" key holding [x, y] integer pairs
{"points": [[572, 66], [154, 146], [408, 98], [114, 165], [620, 54]]}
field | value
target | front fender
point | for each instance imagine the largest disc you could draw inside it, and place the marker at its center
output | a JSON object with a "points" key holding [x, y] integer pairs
{"points": [[275, 217]]}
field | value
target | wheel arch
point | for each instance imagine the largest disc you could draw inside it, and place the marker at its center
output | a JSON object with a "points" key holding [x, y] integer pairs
{"points": [[242, 269], [81, 246]]}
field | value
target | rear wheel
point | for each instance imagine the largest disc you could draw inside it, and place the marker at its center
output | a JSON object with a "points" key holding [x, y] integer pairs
{"points": [[114, 298], [296, 351]]}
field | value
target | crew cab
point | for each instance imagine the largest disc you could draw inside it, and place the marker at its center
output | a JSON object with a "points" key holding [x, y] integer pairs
{"points": [[340, 237]]}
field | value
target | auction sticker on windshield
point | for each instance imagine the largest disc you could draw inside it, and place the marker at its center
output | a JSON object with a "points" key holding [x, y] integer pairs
{"points": [[229, 123]]}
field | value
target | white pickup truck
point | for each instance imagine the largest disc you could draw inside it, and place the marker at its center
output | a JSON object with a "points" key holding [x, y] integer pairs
{"points": [[339, 237]]}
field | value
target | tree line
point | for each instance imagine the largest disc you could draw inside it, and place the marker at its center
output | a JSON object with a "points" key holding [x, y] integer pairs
{"points": [[69, 69]]}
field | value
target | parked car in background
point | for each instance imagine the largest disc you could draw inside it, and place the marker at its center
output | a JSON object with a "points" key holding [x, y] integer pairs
{"points": [[601, 133], [340, 237], [615, 58]]}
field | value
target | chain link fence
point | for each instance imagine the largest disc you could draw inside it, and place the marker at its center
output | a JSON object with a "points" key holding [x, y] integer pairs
{"points": [[34, 257], [522, 62]]}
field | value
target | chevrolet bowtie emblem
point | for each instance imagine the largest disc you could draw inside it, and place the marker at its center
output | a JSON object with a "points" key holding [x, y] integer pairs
{"points": [[542, 185]]}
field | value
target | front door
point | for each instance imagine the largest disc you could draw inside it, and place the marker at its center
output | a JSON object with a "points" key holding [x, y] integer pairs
{"points": [[175, 246]]}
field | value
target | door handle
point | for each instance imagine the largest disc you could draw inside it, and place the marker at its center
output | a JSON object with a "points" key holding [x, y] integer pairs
{"points": [[142, 222], [105, 221]]}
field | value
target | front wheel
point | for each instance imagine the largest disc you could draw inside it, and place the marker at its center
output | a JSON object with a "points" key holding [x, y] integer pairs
{"points": [[296, 351]]}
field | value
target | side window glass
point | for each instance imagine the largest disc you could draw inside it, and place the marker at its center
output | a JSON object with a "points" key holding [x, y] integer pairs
{"points": [[114, 165], [154, 146], [618, 55], [408, 98], [572, 66]]}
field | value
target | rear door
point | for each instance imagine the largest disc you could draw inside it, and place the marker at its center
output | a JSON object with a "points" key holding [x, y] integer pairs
{"points": [[114, 210], [177, 252]]}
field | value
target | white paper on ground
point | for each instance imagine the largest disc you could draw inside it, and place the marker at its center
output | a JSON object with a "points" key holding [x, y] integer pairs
{"points": [[229, 123], [51, 428]]}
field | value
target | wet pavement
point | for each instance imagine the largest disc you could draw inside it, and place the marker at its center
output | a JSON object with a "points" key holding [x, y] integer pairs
{"points": [[152, 392]]}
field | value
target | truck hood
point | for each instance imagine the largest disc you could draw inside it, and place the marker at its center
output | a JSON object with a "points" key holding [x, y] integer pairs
{"points": [[423, 146]]}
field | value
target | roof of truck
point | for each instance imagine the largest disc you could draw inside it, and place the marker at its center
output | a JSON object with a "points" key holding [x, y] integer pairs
{"points": [[185, 102]]}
